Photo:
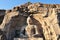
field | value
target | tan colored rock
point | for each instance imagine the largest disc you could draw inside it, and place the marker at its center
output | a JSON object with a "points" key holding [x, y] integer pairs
{"points": [[33, 7], [32, 20], [7, 18], [46, 30]]}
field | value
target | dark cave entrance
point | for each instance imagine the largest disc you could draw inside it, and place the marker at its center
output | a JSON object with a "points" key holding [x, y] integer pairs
{"points": [[1, 18], [17, 33]]}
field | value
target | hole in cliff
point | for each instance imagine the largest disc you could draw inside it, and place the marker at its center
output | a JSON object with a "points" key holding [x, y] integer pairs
{"points": [[58, 17], [1, 18]]}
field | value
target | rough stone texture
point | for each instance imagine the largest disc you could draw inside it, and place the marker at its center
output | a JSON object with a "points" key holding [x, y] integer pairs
{"points": [[35, 21]]}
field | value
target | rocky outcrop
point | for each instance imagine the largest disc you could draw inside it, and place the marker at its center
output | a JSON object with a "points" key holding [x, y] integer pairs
{"points": [[31, 21]]}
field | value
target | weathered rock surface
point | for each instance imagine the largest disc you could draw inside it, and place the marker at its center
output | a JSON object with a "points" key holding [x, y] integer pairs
{"points": [[35, 21]]}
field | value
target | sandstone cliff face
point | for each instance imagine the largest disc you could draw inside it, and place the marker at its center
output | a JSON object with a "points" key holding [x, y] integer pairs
{"points": [[31, 21]]}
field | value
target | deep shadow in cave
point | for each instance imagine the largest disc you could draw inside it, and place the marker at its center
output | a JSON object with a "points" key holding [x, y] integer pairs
{"points": [[58, 17], [1, 18]]}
